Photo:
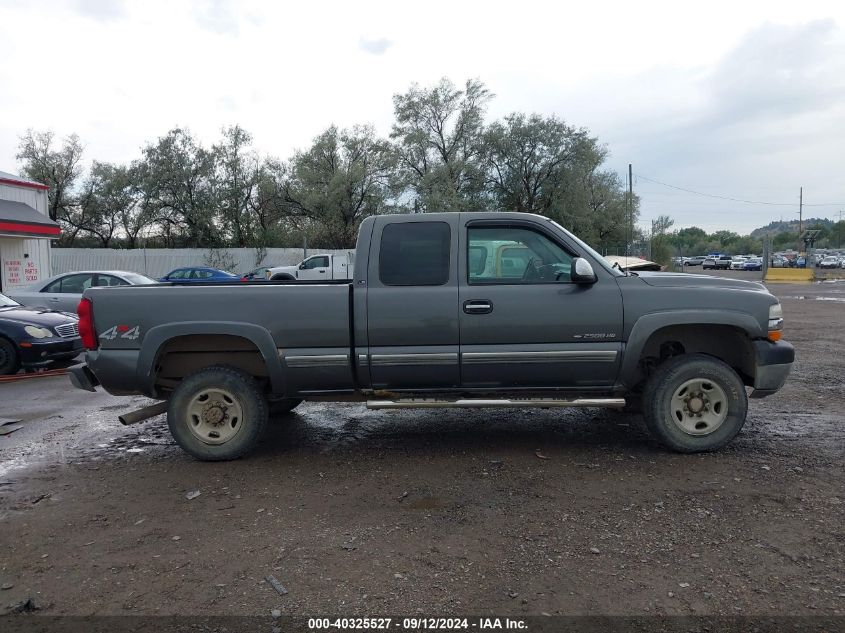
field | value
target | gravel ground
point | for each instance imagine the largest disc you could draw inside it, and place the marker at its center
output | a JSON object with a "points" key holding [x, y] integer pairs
{"points": [[435, 512]]}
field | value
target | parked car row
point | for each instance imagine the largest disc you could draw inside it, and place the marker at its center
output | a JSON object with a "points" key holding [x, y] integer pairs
{"points": [[832, 261]]}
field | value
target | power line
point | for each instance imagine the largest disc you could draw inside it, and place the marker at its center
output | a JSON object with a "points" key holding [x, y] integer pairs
{"points": [[711, 195]]}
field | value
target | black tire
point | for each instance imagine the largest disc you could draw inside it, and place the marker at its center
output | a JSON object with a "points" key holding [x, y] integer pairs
{"points": [[286, 405], [244, 411], [282, 277], [670, 377], [10, 361]]}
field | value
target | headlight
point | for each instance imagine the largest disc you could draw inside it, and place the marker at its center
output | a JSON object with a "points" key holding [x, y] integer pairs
{"points": [[775, 322], [37, 332]]}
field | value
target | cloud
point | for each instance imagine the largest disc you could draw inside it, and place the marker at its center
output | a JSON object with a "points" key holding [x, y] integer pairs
{"points": [[375, 46], [216, 16], [101, 10], [758, 123]]}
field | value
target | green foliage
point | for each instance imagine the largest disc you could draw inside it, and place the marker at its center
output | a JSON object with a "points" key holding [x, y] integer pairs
{"points": [[343, 178], [438, 137], [59, 168], [661, 247], [441, 156]]}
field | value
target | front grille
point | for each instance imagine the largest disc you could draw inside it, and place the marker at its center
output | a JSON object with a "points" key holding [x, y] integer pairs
{"points": [[70, 330]]}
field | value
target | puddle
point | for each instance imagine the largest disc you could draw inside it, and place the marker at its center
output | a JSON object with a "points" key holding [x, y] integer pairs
{"points": [[802, 298]]}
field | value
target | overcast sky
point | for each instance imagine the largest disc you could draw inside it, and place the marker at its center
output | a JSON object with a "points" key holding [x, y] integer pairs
{"points": [[738, 99]]}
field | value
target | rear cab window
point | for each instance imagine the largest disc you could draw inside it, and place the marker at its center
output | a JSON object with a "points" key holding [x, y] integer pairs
{"points": [[415, 254]]}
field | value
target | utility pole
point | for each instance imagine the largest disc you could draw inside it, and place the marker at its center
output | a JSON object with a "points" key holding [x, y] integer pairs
{"points": [[839, 231], [630, 228], [800, 211], [800, 218]]}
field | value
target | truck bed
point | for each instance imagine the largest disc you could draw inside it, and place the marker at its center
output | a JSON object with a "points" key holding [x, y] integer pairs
{"points": [[302, 331]]}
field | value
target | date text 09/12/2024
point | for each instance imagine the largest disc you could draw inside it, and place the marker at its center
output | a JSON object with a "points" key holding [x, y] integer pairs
{"points": [[417, 623]]}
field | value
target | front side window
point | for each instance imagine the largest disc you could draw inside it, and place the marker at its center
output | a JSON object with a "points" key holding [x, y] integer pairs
{"points": [[317, 262], [515, 255], [415, 254], [201, 274], [177, 274]]}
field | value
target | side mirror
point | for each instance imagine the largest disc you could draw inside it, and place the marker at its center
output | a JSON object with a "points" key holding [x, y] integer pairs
{"points": [[582, 272], [302, 266]]}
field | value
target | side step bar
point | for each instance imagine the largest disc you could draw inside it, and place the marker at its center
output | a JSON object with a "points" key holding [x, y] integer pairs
{"points": [[471, 403]]}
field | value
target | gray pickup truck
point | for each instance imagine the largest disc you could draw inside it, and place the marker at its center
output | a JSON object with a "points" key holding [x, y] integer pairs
{"points": [[445, 310]]}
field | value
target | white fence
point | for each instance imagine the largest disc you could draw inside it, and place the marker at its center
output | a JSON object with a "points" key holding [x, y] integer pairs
{"points": [[157, 262]]}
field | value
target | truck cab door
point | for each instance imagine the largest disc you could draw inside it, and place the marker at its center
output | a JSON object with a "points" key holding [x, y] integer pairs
{"points": [[524, 324], [412, 304], [315, 268]]}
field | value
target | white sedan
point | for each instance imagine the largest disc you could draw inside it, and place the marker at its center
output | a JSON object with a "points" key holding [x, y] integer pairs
{"points": [[737, 263], [63, 292]]}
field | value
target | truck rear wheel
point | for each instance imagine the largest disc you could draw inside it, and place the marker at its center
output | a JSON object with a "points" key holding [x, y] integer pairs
{"points": [[694, 403], [217, 414]]}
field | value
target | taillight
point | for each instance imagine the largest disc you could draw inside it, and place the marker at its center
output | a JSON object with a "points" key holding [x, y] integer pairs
{"points": [[86, 323]]}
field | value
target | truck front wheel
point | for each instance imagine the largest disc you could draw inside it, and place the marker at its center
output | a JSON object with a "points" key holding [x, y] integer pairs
{"points": [[217, 414], [694, 403]]}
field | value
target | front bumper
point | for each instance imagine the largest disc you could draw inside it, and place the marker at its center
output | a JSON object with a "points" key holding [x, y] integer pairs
{"points": [[42, 353], [773, 363]]}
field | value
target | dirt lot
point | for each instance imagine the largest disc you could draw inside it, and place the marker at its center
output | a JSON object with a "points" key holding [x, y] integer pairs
{"points": [[433, 512]]}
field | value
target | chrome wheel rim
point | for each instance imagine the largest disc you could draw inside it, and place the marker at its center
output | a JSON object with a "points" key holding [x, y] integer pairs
{"points": [[699, 407], [214, 416]]}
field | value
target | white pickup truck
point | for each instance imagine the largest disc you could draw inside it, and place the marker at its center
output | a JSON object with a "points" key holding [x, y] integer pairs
{"points": [[316, 268]]}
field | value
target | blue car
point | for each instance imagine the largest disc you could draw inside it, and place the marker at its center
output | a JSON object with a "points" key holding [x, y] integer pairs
{"points": [[198, 275], [753, 264]]}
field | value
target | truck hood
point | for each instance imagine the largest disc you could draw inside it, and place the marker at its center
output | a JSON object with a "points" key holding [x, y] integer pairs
{"points": [[686, 280]]}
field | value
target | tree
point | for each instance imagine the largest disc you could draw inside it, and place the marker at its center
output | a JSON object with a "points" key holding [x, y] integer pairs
{"points": [[610, 218], [661, 251], [106, 199], [438, 139], [176, 176], [236, 179], [539, 164], [527, 158], [56, 167], [341, 179]]}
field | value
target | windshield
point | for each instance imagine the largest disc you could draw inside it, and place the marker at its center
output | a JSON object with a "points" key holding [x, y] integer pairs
{"points": [[5, 302], [616, 272]]}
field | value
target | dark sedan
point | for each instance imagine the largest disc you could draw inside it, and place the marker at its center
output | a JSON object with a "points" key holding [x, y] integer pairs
{"points": [[198, 275], [35, 337]]}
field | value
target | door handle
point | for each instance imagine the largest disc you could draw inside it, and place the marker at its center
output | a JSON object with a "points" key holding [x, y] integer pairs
{"points": [[478, 306]]}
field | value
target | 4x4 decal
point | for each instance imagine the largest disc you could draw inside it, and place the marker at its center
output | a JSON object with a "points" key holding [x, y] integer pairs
{"points": [[123, 331]]}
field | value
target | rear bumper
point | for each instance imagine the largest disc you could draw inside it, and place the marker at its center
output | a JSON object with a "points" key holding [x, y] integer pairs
{"points": [[83, 378], [773, 364]]}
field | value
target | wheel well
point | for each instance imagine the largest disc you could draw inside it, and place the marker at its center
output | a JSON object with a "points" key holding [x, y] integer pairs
{"points": [[725, 342], [183, 355], [281, 277]]}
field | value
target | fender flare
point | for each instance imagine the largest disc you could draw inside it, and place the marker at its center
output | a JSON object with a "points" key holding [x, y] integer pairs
{"points": [[650, 323], [158, 336]]}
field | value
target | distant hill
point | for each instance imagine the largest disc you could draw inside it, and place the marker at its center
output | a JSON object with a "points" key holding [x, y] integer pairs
{"points": [[773, 228]]}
